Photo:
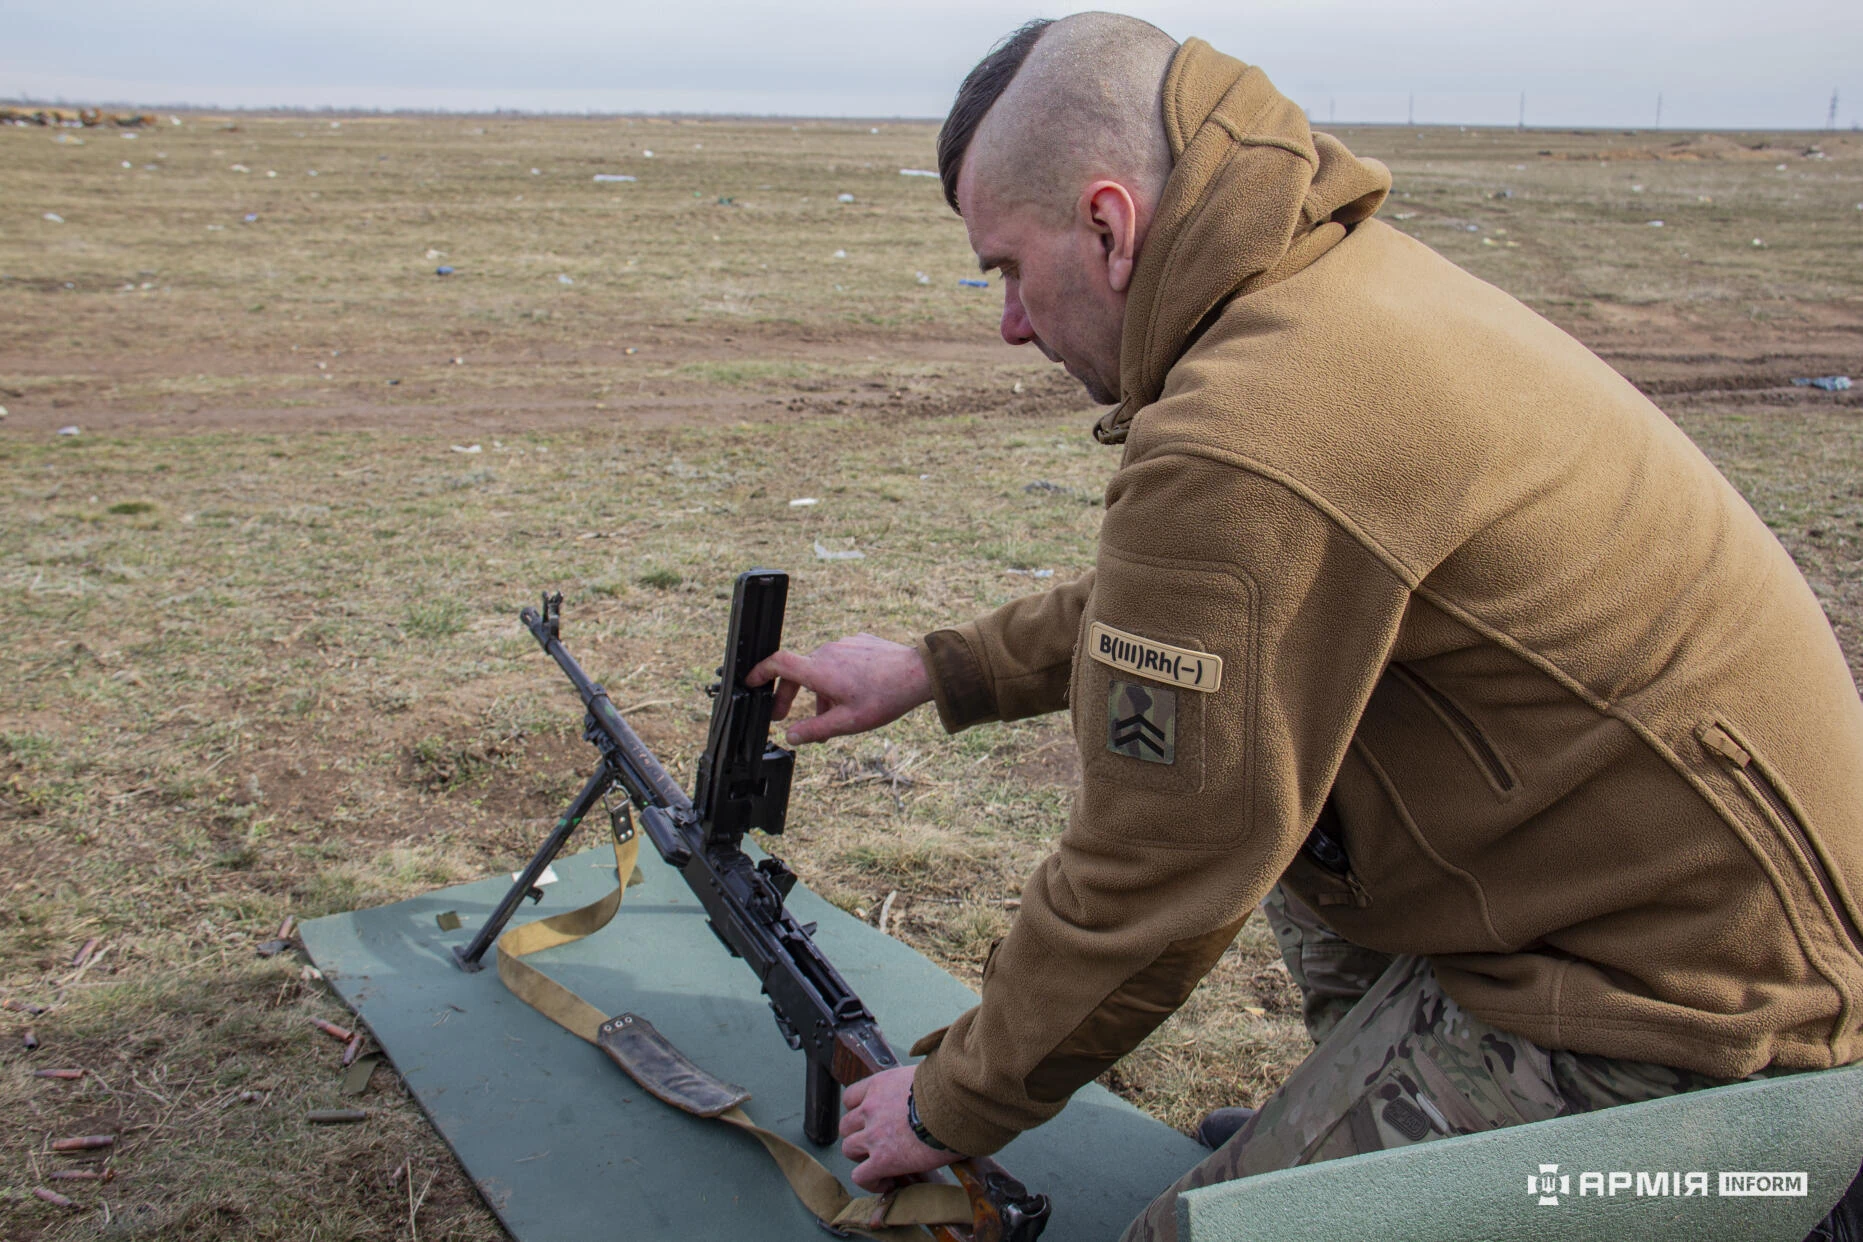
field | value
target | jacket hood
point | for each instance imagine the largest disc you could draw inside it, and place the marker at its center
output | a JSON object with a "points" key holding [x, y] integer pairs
{"points": [[1254, 196]]}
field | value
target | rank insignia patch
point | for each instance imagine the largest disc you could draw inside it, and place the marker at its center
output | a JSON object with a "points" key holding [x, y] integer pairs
{"points": [[1141, 721]]}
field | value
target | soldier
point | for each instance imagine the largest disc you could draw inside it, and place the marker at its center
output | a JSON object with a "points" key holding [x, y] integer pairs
{"points": [[1411, 620]]}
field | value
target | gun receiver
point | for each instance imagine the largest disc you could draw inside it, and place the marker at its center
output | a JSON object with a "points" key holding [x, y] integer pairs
{"points": [[743, 782]]}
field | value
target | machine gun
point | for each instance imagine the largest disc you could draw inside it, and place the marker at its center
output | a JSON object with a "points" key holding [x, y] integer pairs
{"points": [[743, 783]]}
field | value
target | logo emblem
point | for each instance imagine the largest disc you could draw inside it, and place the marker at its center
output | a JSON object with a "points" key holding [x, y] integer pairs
{"points": [[1141, 721], [1549, 1184]]}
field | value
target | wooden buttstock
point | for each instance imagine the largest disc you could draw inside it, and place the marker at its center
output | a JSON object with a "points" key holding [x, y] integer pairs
{"points": [[1001, 1208]]}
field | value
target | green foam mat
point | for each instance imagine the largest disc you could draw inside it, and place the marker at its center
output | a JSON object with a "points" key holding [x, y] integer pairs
{"points": [[1587, 1178], [563, 1145]]}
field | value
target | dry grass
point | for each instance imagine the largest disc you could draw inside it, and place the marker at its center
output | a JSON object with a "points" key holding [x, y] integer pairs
{"points": [[262, 651]]}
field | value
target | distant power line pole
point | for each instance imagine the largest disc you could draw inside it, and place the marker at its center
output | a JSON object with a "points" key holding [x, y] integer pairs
{"points": [[1658, 109], [1830, 122], [1523, 110]]}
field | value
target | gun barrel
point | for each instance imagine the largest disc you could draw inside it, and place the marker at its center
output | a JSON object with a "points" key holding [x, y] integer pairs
{"points": [[647, 782]]}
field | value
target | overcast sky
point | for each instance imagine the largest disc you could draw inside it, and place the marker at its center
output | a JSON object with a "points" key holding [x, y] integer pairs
{"points": [[1716, 63]]}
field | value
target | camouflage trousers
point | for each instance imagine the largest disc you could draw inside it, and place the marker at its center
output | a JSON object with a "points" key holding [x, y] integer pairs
{"points": [[1397, 1062]]}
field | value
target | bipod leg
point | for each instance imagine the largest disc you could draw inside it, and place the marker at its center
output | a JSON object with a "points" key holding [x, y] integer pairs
{"points": [[468, 955]]}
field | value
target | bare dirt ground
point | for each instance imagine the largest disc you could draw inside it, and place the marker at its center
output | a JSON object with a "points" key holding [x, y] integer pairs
{"points": [[262, 654]]}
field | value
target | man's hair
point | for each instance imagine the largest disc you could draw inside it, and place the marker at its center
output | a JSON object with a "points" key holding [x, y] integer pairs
{"points": [[979, 93]]}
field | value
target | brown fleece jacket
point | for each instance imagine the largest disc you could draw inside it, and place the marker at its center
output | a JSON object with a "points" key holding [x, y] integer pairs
{"points": [[1590, 741]]}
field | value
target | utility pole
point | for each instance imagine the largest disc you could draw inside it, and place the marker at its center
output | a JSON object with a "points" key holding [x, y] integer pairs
{"points": [[1523, 110], [1658, 109], [1830, 122]]}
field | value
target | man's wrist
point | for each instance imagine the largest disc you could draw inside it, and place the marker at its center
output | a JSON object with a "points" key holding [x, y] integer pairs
{"points": [[919, 1131]]}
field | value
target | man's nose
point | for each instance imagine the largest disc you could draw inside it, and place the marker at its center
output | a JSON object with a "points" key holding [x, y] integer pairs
{"points": [[1016, 328]]}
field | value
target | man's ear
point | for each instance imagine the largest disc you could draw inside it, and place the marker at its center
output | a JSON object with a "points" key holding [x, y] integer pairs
{"points": [[1107, 208]]}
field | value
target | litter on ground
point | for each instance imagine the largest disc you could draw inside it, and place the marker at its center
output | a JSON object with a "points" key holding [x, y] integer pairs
{"points": [[846, 554], [844, 198], [443, 270], [467, 448], [969, 283], [1829, 383], [72, 430], [612, 177], [917, 172], [802, 502]]}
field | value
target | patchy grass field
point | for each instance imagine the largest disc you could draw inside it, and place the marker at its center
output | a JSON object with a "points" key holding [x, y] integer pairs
{"points": [[263, 657]]}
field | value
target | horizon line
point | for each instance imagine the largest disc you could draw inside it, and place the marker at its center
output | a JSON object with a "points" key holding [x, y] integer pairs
{"points": [[340, 110]]}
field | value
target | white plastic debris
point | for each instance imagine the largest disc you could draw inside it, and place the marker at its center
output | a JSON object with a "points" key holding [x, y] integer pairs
{"points": [[614, 177], [2, 411], [848, 554], [646, 155], [467, 448], [536, 172], [564, 278], [1829, 383], [840, 254], [54, 217], [923, 278], [844, 198], [240, 168], [1655, 224], [1758, 244], [803, 502], [72, 430], [1031, 573], [917, 172]]}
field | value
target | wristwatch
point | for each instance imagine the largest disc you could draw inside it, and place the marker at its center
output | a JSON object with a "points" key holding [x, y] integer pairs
{"points": [[918, 1127]]}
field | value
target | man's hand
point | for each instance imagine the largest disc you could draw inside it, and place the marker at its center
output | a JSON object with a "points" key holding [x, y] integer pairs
{"points": [[877, 1136], [860, 683]]}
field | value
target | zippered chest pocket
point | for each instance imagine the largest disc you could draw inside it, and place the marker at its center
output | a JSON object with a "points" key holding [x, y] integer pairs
{"points": [[1768, 793]]}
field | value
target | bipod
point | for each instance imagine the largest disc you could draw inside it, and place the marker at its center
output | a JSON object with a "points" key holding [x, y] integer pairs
{"points": [[525, 885]]}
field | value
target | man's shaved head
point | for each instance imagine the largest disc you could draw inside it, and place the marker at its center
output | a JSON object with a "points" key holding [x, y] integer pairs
{"points": [[1060, 104]]}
